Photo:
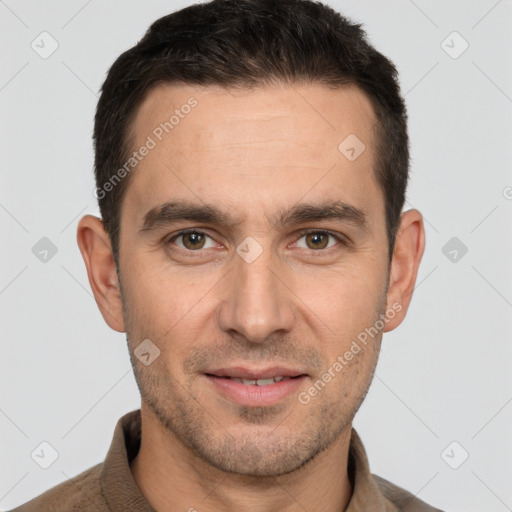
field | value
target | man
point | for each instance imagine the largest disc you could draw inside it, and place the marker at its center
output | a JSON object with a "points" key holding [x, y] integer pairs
{"points": [[251, 162]]}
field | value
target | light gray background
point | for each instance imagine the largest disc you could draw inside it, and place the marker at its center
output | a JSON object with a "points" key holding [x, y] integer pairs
{"points": [[443, 375]]}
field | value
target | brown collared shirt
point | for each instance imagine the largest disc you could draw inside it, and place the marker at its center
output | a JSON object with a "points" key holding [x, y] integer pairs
{"points": [[110, 487]]}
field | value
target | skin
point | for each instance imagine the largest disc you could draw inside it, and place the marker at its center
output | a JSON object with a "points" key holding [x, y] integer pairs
{"points": [[252, 154]]}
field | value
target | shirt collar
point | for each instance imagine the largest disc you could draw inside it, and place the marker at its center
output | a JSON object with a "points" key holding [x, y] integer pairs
{"points": [[117, 483], [366, 494], [122, 493]]}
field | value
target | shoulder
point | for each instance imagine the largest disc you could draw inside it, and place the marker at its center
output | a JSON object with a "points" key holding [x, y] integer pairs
{"points": [[403, 500], [82, 492]]}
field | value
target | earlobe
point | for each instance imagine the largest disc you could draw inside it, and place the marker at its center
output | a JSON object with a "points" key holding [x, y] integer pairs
{"points": [[407, 254], [96, 250]]}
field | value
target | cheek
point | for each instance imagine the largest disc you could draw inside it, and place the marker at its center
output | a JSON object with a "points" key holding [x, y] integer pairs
{"points": [[345, 299], [346, 329], [168, 306], [160, 290]]}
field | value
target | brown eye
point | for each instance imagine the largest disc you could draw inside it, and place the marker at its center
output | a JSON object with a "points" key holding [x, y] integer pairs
{"points": [[193, 240], [317, 240], [320, 241]]}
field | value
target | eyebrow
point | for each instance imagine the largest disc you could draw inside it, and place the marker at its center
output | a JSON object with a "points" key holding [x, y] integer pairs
{"points": [[175, 211]]}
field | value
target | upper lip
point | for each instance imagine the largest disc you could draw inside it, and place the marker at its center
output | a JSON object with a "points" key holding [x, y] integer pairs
{"points": [[255, 373]]}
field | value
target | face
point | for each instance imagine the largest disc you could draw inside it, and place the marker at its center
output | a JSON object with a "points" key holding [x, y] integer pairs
{"points": [[270, 262]]}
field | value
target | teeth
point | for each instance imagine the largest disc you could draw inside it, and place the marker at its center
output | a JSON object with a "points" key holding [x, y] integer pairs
{"points": [[265, 382], [259, 382]]}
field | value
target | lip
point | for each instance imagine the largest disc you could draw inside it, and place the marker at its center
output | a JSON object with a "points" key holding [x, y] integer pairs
{"points": [[254, 395], [255, 373]]}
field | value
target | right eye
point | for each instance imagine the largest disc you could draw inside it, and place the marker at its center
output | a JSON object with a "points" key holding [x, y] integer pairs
{"points": [[191, 240]]}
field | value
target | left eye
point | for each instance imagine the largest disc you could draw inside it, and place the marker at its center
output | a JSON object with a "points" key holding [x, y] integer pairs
{"points": [[317, 240]]}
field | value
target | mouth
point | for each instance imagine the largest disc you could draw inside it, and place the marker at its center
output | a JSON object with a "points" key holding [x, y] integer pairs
{"points": [[256, 387], [256, 376], [255, 382]]}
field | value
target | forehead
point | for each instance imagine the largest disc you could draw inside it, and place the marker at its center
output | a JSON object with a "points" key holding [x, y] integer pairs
{"points": [[304, 110], [276, 140]]}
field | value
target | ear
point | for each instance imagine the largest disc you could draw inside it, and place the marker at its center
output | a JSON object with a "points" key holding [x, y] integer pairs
{"points": [[94, 244], [407, 254]]}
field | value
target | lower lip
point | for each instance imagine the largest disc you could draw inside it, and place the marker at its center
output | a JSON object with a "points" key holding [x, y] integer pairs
{"points": [[256, 396]]}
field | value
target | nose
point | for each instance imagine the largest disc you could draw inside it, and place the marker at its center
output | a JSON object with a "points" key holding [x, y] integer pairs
{"points": [[257, 301]]}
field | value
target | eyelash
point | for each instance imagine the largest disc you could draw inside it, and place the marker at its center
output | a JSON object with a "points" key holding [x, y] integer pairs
{"points": [[339, 238]]}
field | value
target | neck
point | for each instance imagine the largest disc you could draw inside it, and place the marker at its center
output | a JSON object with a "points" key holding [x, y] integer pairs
{"points": [[173, 478]]}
